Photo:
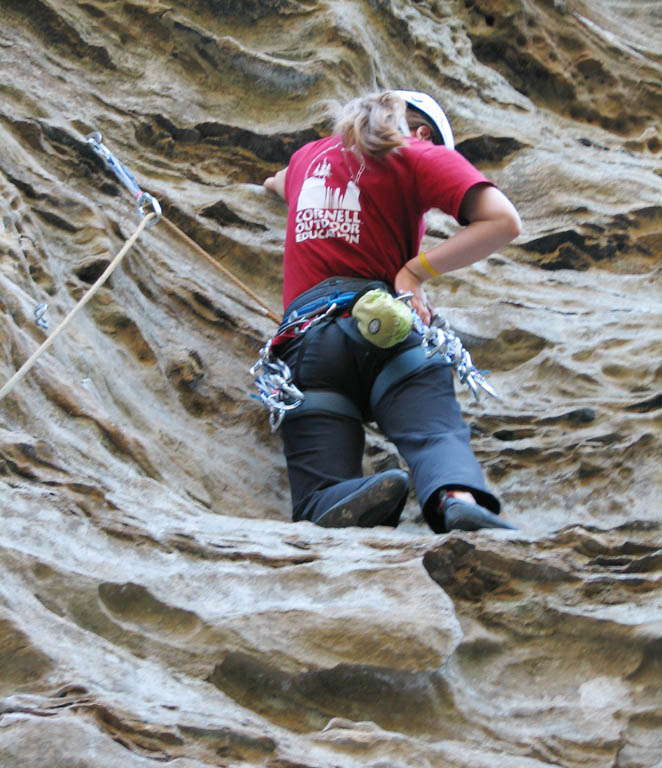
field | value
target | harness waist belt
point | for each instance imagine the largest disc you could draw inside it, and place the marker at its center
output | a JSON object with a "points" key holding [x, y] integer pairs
{"points": [[399, 368], [322, 295]]}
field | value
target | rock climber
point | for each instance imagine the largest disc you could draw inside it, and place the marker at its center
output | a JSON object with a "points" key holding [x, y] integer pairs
{"points": [[356, 201]]}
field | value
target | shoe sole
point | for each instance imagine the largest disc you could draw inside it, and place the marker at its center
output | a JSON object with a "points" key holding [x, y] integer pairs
{"points": [[369, 506]]}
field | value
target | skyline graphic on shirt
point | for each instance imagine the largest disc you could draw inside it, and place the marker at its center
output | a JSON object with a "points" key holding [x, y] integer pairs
{"points": [[316, 194], [324, 211]]}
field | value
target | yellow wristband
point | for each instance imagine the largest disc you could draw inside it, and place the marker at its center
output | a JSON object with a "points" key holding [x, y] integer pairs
{"points": [[427, 266]]}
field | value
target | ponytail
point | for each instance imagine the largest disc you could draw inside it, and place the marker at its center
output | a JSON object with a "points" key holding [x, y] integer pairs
{"points": [[371, 123]]}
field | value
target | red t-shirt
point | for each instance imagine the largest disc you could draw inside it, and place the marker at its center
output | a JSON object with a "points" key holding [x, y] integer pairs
{"points": [[352, 219]]}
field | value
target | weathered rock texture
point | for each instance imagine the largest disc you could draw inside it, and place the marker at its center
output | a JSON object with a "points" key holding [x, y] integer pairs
{"points": [[156, 606]]}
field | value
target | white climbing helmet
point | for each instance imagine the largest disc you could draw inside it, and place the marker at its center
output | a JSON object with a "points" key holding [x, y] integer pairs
{"points": [[429, 107]]}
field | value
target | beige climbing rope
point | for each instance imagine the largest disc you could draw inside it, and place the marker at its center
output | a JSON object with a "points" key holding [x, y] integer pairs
{"points": [[144, 199], [94, 140], [201, 251], [29, 363]]}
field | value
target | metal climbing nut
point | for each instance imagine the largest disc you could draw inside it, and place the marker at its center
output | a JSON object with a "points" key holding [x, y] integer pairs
{"points": [[276, 390], [40, 315], [484, 385]]}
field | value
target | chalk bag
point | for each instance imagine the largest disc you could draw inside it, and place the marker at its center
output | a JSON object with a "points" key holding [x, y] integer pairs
{"points": [[382, 319]]}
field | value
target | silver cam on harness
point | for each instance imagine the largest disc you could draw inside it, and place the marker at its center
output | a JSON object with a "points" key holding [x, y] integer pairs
{"points": [[279, 394]]}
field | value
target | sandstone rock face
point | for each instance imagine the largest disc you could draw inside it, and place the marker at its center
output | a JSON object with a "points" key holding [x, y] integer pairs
{"points": [[156, 604]]}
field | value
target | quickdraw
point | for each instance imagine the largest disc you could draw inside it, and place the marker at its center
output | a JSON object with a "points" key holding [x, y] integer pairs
{"points": [[279, 394], [440, 338], [143, 199]]}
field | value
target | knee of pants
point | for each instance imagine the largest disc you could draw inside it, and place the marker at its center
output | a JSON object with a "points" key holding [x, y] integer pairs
{"points": [[424, 403], [321, 450]]}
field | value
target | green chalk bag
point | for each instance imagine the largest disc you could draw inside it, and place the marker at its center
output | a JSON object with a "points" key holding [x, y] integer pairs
{"points": [[382, 319]]}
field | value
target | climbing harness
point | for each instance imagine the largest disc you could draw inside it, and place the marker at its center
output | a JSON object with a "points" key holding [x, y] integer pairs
{"points": [[273, 378], [279, 394]]}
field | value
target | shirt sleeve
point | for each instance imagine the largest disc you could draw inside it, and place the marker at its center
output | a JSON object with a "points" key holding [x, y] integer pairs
{"points": [[443, 178], [292, 174]]}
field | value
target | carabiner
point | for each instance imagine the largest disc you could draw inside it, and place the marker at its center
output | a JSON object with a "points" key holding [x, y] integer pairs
{"points": [[146, 199]]}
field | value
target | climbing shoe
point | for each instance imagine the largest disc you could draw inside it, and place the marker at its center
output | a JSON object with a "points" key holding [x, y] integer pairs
{"points": [[463, 516], [379, 501]]}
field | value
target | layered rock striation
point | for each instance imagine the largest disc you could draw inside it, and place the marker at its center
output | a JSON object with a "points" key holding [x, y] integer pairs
{"points": [[156, 604]]}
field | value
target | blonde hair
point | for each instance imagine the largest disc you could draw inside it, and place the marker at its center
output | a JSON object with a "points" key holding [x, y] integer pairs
{"points": [[371, 123]]}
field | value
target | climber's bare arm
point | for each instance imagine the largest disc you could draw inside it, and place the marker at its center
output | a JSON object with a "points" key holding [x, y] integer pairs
{"points": [[277, 183]]}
